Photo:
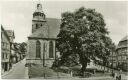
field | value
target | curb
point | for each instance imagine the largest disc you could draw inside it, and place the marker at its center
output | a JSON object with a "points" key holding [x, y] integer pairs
{"points": [[26, 73], [8, 72]]}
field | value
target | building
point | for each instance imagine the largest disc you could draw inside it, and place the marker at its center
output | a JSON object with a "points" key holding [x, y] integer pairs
{"points": [[112, 60], [122, 53], [15, 56], [11, 36], [41, 43], [5, 50]]}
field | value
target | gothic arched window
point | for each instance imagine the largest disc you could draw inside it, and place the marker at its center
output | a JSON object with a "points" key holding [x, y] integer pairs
{"points": [[51, 55], [38, 49]]}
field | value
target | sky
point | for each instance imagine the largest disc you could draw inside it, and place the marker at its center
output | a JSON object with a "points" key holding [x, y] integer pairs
{"points": [[17, 15]]}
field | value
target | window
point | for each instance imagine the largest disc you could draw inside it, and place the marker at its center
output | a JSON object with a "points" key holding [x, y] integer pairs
{"points": [[6, 56], [1, 35], [2, 55], [123, 57], [38, 49], [3, 44], [36, 26], [40, 24], [119, 57], [45, 47], [8, 46], [51, 49]]}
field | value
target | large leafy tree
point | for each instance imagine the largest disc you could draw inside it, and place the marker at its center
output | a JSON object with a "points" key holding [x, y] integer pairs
{"points": [[83, 32]]}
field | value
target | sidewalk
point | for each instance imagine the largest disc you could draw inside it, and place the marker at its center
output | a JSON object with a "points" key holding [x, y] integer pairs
{"points": [[18, 71], [26, 70], [7, 72]]}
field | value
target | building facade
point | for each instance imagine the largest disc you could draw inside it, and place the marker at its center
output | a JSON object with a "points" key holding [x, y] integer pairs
{"points": [[11, 36], [113, 60], [5, 51], [122, 54], [41, 43]]}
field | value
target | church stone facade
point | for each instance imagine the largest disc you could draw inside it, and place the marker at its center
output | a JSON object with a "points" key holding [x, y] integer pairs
{"points": [[41, 43]]}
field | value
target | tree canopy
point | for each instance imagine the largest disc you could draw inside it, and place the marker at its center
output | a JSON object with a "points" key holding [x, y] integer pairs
{"points": [[83, 32]]}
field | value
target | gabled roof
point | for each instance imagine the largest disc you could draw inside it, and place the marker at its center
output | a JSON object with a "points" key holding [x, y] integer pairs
{"points": [[53, 29], [124, 38], [124, 41], [2, 29], [10, 33]]}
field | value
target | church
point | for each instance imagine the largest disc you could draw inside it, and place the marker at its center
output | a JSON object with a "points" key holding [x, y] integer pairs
{"points": [[41, 42]]}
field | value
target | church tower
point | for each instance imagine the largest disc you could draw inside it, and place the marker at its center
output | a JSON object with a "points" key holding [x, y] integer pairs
{"points": [[38, 18]]}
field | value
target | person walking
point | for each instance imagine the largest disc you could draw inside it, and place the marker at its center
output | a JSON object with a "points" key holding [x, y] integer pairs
{"points": [[120, 74], [116, 76], [119, 77]]}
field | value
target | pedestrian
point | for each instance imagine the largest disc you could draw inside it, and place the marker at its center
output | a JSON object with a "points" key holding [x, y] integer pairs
{"points": [[71, 73], [119, 77], [116, 76], [120, 74], [113, 74]]}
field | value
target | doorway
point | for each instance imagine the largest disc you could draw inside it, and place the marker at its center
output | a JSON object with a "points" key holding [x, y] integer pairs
{"points": [[6, 66]]}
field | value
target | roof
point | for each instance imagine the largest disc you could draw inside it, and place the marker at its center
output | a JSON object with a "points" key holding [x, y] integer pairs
{"points": [[2, 29], [53, 29], [10, 33], [40, 33], [124, 40]]}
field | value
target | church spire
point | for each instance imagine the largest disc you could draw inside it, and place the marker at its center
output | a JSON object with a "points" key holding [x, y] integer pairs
{"points": [[39, 14], [39, 6], [38, 18]]}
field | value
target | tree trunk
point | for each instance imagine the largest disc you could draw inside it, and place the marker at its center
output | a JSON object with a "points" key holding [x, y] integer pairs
{"points": [[58, 63], [83, 61]]}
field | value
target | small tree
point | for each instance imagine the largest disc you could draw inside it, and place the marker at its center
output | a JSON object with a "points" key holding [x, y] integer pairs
{"points": [[83, 32], [23, 48]]}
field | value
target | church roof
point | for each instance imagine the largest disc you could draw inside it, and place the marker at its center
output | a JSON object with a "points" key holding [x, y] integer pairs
{"points": [[53, 25]]}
